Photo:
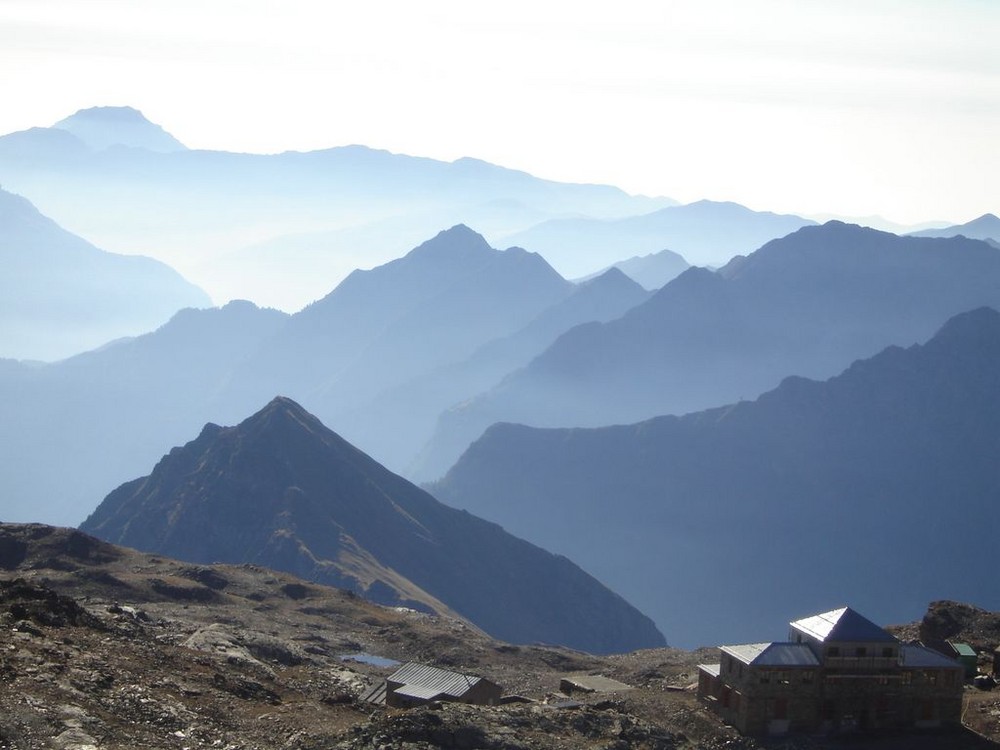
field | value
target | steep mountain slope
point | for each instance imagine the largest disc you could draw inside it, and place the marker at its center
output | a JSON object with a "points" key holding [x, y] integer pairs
{"points": [[234, 222], [876, 487], [104, 416], [60, 295], [705, 233], [807, 304], [282, 490], [328, 336]]}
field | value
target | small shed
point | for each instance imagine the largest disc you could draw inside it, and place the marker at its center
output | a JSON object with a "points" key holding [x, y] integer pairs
{"points": [[965, 655], [415, 684]]}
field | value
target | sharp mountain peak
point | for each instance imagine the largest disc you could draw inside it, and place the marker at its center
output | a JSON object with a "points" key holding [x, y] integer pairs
{"points": [[448, 242]]}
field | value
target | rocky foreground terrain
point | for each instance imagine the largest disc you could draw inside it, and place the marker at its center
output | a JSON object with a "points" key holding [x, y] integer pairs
{"points": [[105, 648]]}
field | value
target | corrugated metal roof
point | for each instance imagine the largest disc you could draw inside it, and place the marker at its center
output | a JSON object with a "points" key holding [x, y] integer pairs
{"points": [[919, 657], [773, 654], [441, 681], [419, 692], [842, 624], [712, 669]]}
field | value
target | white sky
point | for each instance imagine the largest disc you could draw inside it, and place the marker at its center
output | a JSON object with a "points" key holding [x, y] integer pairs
{"points": [[887, 107]]}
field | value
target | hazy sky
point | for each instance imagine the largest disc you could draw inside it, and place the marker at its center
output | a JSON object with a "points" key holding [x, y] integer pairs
{"points": [[807, 106]]}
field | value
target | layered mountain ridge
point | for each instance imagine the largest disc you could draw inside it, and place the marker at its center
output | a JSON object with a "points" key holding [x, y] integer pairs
{"points": [[807, 304], [815, 490], [278, 229]]}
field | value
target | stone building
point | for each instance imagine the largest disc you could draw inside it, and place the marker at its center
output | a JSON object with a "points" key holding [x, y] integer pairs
{"points": [[837, 672]]}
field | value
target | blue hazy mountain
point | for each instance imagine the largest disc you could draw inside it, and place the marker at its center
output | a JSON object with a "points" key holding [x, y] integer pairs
{"points": [[379, 357], [807, 304], [386, 351], [105, 127], [651, 271], [283, 491], [280, 229], [74, 429], [382, 327], [986, 227], [60, 295], [877, 487], [705, 233], [397, 422]]}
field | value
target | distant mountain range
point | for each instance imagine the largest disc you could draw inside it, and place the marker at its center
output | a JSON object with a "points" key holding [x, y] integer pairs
{"points": [[876, 487], [807, 304], [361, 361], [705, 233], [986, 227], [279, 229], [379, 357], [124, 127], [283, 491], [60, 295]]}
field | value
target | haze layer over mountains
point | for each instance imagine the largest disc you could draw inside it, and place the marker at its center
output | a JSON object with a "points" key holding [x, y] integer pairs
{"points": [[279, 229], [411, 352], [60, 295]]}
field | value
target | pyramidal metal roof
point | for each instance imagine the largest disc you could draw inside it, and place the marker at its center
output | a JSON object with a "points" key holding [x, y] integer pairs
{"points": [[842, 624]]}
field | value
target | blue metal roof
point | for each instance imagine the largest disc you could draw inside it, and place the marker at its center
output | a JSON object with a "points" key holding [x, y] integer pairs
{"points": [[921, 657], [773, 654], [842, 624]]}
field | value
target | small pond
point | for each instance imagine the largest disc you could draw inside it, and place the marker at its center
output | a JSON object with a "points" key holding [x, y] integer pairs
{"points": [[366, 658]]}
